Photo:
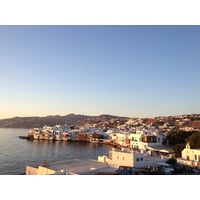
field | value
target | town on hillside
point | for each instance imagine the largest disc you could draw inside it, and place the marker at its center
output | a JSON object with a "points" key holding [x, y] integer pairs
{"points": [[137, 143], [166, 123]]}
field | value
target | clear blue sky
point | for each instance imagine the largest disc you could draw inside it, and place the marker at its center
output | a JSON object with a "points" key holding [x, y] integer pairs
{"points": [[133, 71]]}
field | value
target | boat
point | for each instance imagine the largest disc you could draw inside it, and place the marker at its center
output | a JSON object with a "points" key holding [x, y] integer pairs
{"points": [[23, 137]]}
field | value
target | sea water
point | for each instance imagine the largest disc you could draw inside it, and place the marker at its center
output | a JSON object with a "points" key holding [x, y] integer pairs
{"points": [[16, 153]]}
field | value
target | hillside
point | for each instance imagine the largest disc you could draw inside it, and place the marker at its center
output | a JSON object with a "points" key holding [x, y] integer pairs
{"points": [[103, 121], [71, 120]]}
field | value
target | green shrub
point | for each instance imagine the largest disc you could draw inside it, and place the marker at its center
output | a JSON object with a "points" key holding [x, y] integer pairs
{"points": [[172, 161]]}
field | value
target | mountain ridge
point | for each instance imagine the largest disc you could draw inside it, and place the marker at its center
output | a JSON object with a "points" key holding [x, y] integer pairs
{"points": [[51, 120], [103, 120]]}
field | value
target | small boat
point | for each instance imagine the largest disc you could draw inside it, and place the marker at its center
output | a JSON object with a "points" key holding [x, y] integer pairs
{"points": [[23, 137], [26, 137]]}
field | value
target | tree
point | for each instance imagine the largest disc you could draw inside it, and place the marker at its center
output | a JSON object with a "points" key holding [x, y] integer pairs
{"points": [[172, 161], [194, 140], [178, 148], [178, 137]]}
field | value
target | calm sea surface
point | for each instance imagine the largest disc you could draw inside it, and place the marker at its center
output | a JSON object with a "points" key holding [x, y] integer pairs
{"points": [[16, 153]]}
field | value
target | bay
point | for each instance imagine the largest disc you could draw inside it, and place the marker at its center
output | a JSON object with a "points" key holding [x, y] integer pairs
{"points": [[16, 153]]}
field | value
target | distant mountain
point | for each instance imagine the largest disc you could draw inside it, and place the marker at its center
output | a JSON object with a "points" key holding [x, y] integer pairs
{"points": [[71, 120], [103, 121]]}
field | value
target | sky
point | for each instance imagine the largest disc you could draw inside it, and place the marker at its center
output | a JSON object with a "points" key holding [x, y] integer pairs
{"points": [[123, 70]]}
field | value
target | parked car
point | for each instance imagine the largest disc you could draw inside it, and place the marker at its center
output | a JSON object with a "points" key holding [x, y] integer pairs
{"points": [[127, 170], [161, 171], [196, 170], [156, 170], [145, 171], [167, 168], [178, 169]]}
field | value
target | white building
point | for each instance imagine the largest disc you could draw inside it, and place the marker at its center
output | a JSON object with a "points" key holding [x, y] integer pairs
{"points": [[144, 140], [123, 158], [122, 138], [190, 156], [130, 158]]}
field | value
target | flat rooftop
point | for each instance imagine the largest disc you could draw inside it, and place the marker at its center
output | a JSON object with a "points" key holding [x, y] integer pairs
{"points": [[164, 149], [79, 166]]}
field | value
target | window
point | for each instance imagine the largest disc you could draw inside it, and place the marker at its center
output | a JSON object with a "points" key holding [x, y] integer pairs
{"points": [[158, 139], [195, 157], [137, 159], [117, 157], [123, 158], [141, 159], [110, 155]]}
